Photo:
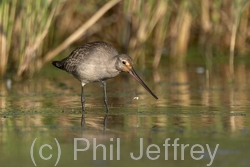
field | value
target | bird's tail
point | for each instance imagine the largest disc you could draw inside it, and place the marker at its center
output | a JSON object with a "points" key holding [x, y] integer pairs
{"points": [[57, 64]]}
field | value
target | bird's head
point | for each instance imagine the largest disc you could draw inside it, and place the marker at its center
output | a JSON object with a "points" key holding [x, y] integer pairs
{"points": [[124, 63]]}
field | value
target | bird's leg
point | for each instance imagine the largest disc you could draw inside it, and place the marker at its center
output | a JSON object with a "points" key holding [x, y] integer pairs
{"points": [[105, 96], [83, 99], [83, 102]]}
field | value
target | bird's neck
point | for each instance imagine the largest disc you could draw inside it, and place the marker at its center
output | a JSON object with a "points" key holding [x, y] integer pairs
{"points": [[117, 63]]}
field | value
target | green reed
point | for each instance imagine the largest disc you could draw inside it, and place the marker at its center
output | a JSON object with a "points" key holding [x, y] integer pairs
{"points": [[24, 26]]}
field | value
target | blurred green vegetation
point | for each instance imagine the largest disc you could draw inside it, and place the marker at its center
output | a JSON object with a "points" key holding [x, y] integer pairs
{"points": [[32, 33]]}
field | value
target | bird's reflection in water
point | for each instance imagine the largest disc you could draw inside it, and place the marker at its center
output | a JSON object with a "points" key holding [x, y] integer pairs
{"points": [[83, 119], [105, 120]]}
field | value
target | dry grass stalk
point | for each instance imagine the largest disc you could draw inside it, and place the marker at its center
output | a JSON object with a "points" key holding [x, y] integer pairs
{"points": [[238, 8], [80, 31], [180, 34]]}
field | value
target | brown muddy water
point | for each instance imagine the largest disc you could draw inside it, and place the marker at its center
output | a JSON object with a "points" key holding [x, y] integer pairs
{"points": [[200, 119]]}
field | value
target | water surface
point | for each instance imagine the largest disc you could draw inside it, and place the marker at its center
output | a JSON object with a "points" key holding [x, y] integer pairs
{"points": [[194, 108]]}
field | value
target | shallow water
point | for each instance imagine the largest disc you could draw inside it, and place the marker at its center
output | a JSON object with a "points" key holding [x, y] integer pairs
{"points": [[192, 109]]}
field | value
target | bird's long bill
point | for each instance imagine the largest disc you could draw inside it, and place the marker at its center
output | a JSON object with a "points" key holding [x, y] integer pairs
{"points": [[133, 73]]}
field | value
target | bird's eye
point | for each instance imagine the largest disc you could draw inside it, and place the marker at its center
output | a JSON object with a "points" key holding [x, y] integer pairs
{"points": [[123, 62]]}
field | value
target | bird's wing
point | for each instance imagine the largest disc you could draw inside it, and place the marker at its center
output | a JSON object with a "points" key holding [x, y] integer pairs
{"points": [[71, 63]]}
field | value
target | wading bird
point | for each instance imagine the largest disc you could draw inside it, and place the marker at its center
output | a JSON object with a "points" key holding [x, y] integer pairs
{"points": [[97, 61]]}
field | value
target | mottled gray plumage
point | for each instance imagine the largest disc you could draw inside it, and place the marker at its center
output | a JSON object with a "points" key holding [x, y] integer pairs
{"points": [[88, 63], [97, 61]]}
